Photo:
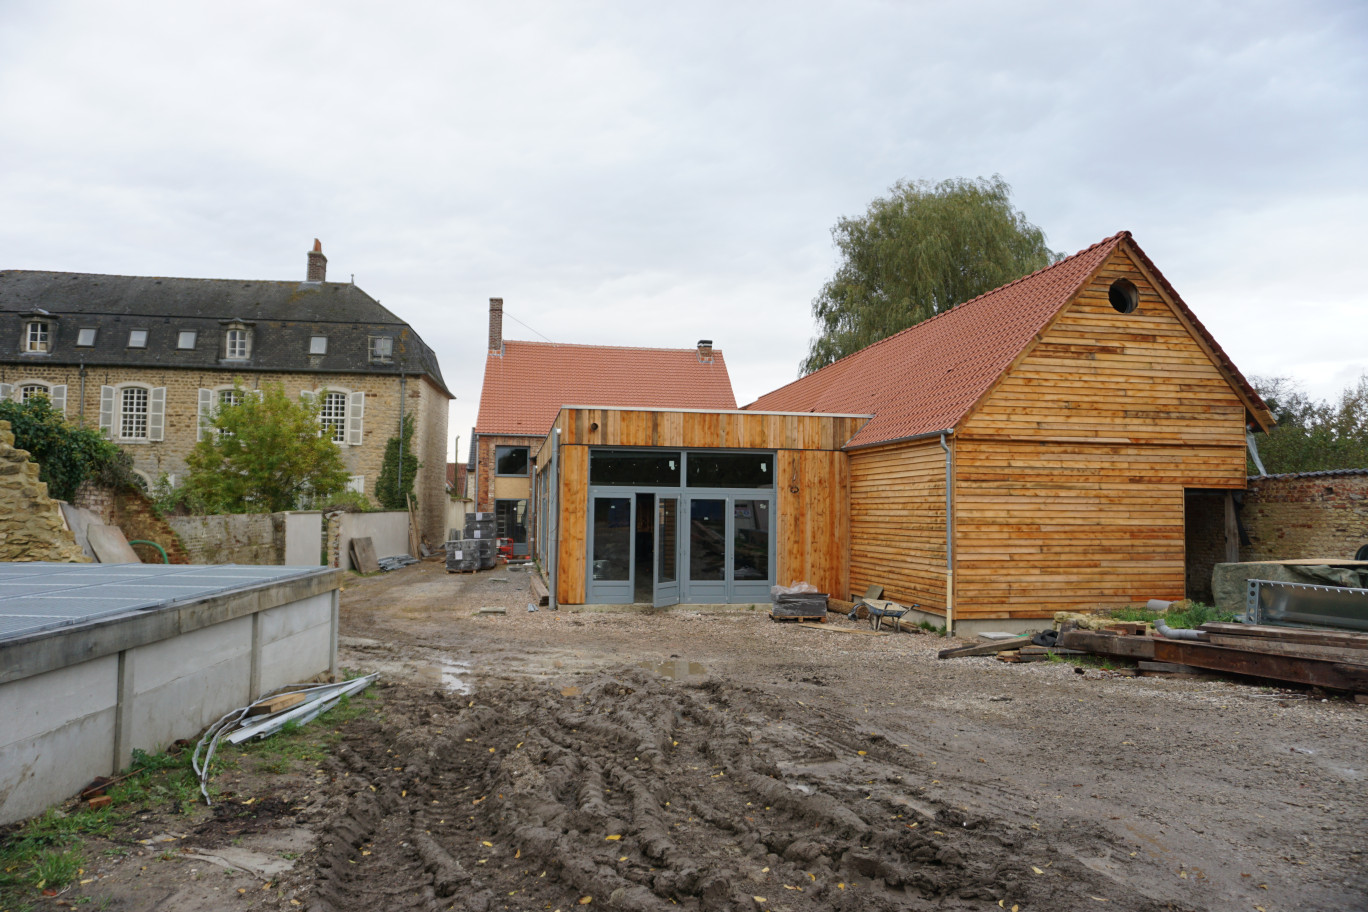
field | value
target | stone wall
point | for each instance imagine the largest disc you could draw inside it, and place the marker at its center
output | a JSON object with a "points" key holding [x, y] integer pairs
{"points": [[380, 419], [31, 527], [136, 517], [241, 538], [1311, 515]]}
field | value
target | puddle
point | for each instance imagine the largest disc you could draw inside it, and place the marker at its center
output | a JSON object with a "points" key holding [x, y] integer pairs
{"points": [[451, 675], [676, 669]]}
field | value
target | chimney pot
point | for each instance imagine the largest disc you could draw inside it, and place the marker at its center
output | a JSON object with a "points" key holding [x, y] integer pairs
{"points": [[496, 326], [705, 351], [318, 264]]}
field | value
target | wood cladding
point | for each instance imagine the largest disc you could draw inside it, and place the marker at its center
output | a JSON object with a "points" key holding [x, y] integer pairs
{"points": [[897, 522], [811, 480], [1069, 475]]}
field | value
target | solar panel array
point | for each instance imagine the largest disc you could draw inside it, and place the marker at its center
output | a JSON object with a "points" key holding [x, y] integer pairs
{"points": [[42, 596]]}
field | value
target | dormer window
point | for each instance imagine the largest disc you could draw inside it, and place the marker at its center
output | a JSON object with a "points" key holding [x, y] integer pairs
{"points": [[381, 349], [85, 337], [137, 338], [318, 345], [237, 344], [38, 336]]}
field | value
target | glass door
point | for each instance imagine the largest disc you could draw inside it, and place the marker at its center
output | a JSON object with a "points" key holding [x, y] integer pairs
{"points": [[610, 555], [666, 552]]}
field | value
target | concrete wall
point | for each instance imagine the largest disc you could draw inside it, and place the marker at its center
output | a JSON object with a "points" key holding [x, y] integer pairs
{"points": [[1314, 515], [387, 531], [456, 514], [163, 675], [304, 539]]}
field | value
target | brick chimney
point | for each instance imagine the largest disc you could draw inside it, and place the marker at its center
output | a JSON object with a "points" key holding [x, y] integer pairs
{"points": [[318, 264], [496, 326], [705, 351]]}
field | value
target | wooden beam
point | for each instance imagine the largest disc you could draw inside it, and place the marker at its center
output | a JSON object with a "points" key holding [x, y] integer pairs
{"points": [[1305, 635], [1109, 644], [1232, 531], [984, 649]]}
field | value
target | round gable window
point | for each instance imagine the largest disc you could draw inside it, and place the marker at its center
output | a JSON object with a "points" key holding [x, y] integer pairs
{"points": [[1124, 296]]}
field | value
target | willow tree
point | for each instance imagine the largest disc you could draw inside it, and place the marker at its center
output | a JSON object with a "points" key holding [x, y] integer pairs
{"points": [[918, 252]]}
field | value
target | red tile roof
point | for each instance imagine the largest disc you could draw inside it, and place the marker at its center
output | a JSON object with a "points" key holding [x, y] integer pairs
{"points": [[928, 377], [526, 386]]}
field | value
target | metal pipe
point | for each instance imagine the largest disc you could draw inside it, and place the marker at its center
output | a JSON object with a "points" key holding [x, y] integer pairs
{"points": [[1169, 633], [949, 537], [553, 552], [82, 406], [1254, 453], [399, 475]]}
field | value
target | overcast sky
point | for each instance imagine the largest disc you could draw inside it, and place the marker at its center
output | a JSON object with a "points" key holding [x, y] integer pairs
{"points": [[649, 174]]}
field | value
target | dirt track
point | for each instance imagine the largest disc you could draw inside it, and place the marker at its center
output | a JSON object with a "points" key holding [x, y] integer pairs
{"points": [[756, 765]]}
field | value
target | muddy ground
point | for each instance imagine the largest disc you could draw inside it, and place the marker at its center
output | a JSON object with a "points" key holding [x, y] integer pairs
{"points": [[714, 760]]}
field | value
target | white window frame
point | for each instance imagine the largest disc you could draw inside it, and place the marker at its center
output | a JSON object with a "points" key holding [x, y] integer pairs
{"points": [[230, 348], [38, 337], [112, 412], [374, 346], [56, 393], [318, 345], [180, 339], [81, 336], [353, 433], [138, 343], [357, 483]]}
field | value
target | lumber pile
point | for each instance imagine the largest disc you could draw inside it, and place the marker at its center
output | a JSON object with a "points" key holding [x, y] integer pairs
{"points": [[1331, 659]]}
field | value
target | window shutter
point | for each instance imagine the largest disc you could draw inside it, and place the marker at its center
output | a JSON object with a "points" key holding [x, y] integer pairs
{"points": [[107, 409], [206, 412], [356, 407], [6, 391], [259, 393], [57, 396], [308, 396], [156, 414]]}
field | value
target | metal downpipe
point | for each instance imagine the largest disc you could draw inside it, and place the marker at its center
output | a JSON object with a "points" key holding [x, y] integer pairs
{"points": [[949, 542]]}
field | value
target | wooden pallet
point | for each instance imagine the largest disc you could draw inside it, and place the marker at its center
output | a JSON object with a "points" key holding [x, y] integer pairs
{"points": [[799, 618]]}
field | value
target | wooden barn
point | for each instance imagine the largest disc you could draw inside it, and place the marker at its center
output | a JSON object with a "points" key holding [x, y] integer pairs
{"points": [[1031, 450], [1025, 452]]}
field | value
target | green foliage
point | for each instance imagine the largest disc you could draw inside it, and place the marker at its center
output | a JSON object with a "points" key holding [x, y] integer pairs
{"points": [[1195, 615], [264, 455], [67, 455], [1311, 435], [391, 490], [916, 253]]}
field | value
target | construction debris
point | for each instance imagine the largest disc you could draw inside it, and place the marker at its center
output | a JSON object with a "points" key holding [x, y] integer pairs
{"points": [[243, 724], [394, 563]]}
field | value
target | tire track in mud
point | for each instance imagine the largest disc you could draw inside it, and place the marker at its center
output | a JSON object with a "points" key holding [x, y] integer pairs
{"points": [[641, 794]]}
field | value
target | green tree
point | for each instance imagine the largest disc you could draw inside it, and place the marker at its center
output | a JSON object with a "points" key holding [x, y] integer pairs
{"points": [[1313, 435], [263, 455], [392, 488], [67, 455], [916, 253]]}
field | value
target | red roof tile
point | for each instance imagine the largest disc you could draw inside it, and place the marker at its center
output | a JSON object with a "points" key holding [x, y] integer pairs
{"points": [[526, 386], [927, 377]]}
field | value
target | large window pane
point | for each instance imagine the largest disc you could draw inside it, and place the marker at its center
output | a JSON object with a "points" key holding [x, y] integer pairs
{"points": [[751, 540], [707, 540], [510, 460], [667, 539], [609, 467], [612, 538], [510, 520], [731, 470]]}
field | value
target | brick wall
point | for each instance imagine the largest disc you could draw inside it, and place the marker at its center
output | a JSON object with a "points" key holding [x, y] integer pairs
{"points": [[484, 468], [1290, 517], [135, 516], [1204, 532]]}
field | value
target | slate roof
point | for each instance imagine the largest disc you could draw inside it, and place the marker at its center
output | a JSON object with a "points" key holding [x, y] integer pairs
{"points": [[283, 316], [526, 386], [928, 377]]}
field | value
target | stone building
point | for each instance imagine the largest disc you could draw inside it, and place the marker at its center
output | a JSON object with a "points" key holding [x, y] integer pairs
{"points": [[527, 383], [148, 359]]}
